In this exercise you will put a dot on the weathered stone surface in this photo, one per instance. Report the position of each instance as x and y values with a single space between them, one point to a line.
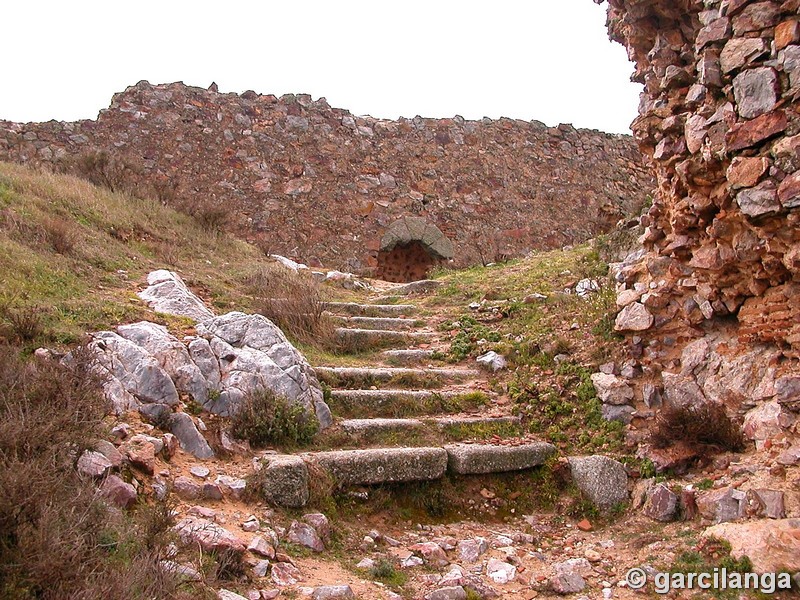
634 317
771 545
745 172
739 51
93 464
284 574
224 594
305 535
500 572
749 133
141 453
453 592
332 592
602 479
492 361
760 200
468 459
756 91
132 368
167 293
258 545
470 551
208 535
191 440
171 354
285 481
254 355
432 554
382 465
789 191
612 389
723 504
118 492
661 504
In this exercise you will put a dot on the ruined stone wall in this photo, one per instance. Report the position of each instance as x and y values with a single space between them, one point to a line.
322 185
719 120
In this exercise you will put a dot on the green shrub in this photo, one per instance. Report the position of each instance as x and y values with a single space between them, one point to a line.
264 419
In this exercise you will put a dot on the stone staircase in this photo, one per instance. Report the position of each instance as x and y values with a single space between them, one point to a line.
407 416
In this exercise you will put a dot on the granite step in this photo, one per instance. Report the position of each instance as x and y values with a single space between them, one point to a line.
408 357
399 403
377 323
370 310
374 426
361 377
366 339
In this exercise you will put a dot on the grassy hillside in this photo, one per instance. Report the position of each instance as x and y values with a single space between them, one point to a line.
73 256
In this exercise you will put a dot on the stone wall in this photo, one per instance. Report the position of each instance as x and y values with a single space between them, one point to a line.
322 185
719 122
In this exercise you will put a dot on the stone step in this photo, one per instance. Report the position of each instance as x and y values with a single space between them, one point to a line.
366 339
374 466
482 459
286 480
377 323
394 403
381 465
379 425
370 310
408 357
405 377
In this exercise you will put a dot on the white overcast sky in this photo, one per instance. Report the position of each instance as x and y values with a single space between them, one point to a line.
524 59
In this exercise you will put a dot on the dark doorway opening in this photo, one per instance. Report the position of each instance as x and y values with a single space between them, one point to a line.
405 262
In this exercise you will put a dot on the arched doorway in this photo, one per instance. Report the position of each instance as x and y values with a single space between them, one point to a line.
410 248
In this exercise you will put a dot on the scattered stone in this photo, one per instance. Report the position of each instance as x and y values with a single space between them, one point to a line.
209 536
602 479
200 471
234 486
470 551
492 360
93 464
500 572
447 593
187 489
661 504
262 547
141 453
331 592
305 535
284 574
432 554
320 524
118 492
224 594
191 440
612 389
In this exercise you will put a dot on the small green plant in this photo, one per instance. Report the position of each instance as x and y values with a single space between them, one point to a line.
263 419
385 572
465 342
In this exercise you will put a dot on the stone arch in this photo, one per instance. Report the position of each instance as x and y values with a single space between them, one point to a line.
410 248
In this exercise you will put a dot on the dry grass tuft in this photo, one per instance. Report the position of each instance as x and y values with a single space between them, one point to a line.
58 538
294 302
705 424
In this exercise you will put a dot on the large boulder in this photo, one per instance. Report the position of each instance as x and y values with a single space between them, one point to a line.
254 355
602 479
